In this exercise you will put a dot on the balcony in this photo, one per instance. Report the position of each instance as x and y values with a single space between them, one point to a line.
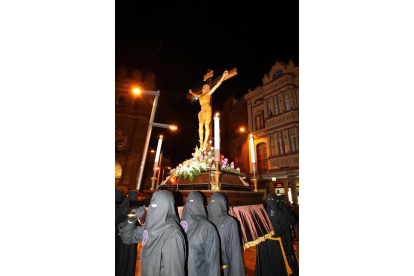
291 160
283 119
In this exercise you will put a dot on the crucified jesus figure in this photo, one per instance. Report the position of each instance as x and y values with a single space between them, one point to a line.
204 116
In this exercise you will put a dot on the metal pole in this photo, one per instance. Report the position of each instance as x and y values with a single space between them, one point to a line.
144 154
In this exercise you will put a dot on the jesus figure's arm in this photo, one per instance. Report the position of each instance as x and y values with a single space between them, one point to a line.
218 83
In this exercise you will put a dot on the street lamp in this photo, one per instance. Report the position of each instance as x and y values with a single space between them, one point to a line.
150 124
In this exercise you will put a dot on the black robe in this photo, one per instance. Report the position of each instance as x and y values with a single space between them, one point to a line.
269 256
202 238
163 244
231 254
125 255
286 235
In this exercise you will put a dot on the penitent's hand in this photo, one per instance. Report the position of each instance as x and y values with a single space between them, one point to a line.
140 211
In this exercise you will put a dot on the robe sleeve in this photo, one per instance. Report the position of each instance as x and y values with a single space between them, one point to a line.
173 255
130 232
212 248
236 264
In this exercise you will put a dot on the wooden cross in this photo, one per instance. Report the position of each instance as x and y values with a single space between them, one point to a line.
209 78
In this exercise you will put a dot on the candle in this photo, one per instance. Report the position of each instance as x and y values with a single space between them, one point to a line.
157 155
216 137
252 155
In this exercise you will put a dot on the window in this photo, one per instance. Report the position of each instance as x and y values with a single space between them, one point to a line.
269 107
292 139
259 120
280 141
291 98
262 156
273 144
287 101
285 141
280 101
120 101
297 134
276 105
277 74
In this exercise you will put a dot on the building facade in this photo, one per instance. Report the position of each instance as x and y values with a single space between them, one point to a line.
273 119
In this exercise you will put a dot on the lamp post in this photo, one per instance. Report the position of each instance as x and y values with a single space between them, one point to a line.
151 123
253 157
157 158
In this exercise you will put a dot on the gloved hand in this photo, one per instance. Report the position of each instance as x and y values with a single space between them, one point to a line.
139 211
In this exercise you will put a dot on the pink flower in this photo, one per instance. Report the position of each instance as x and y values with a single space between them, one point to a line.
201 157
213 167
212 158
205 152
226 160
223 166
232 165
205 156
238 169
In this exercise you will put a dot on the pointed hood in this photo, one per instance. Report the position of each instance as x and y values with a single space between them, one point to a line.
161 216
217 209
193 212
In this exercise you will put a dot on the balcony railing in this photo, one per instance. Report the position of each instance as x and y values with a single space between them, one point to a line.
290 116
291 160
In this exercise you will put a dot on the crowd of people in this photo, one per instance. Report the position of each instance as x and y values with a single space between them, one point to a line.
200 243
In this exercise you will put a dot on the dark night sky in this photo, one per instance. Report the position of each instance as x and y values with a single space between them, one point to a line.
217 36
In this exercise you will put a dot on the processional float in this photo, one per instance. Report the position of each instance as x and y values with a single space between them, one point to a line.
208 172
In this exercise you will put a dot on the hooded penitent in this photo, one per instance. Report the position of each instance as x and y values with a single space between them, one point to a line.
161 216
286 235
125 255
163 243
202 237
231 255
269 259
193 212
132 195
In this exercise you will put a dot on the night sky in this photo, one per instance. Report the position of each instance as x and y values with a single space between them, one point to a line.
179 43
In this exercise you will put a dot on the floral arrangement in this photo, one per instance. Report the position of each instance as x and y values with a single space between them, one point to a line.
203 161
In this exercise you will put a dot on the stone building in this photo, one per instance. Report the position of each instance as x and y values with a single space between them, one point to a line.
273 119
234 143
132 115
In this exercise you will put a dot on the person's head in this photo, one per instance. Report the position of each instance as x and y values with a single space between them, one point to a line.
119 195
132 195
206 88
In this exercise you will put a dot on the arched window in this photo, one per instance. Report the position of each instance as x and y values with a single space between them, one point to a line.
277 74
120 101
261 156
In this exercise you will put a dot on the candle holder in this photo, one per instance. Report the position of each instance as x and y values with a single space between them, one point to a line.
216 184
254 180
153 178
